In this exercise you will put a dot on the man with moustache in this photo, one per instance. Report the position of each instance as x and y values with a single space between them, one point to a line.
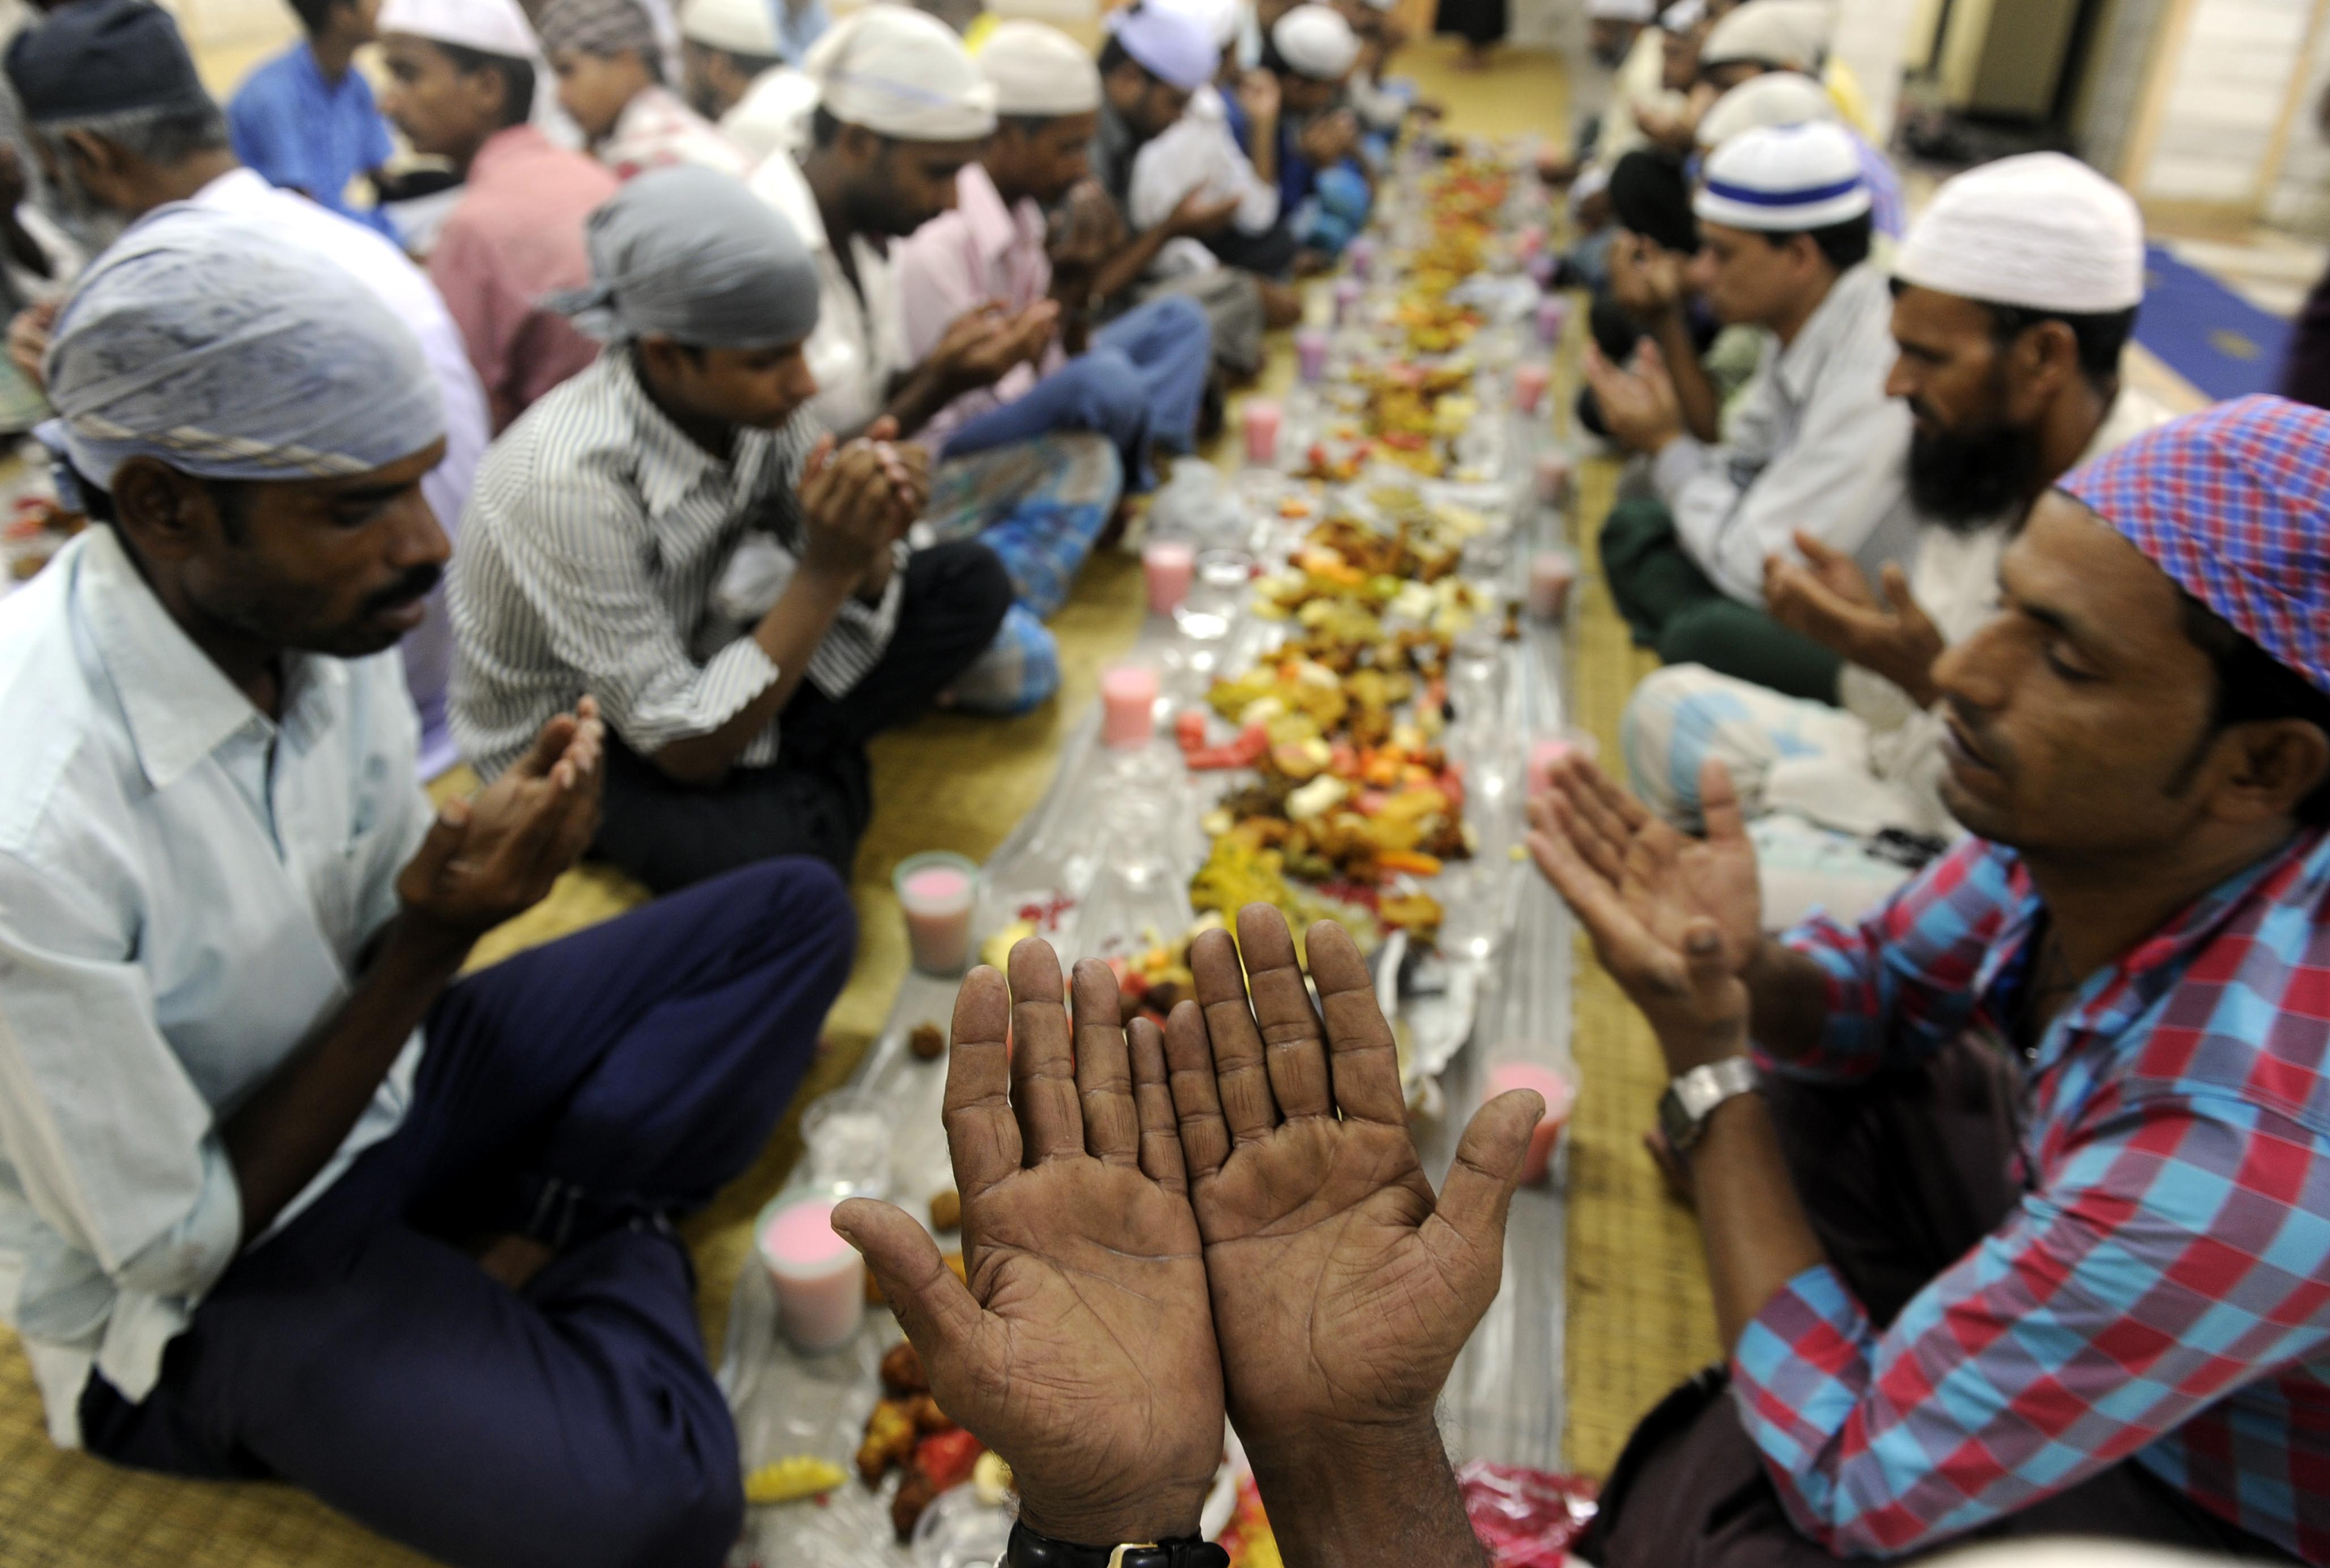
279 1196
119 118
2013 1192
2013 297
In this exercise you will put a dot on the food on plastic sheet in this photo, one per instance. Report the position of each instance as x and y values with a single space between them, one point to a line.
990 1477
916 1492
889 1442
947 1457
1526 1518
927 1041
903 1377
946 1210
1152 981
788 1480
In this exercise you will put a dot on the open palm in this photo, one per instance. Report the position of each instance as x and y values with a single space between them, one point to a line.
1343 1290
1082 1348
1675 920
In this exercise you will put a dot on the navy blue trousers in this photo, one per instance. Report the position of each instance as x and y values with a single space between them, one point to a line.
1140 381
590 1087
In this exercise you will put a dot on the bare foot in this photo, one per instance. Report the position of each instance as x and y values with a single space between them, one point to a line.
1282 303
1680 1185
514 1260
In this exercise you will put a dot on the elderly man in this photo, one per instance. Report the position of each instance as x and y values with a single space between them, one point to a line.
279 1196
1815 447
675 532
124 141
2013 1191
610 67
902 112
1140 379
2014 298
735 71
462 75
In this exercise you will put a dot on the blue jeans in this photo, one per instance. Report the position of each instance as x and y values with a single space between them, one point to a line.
1139 383
579 1092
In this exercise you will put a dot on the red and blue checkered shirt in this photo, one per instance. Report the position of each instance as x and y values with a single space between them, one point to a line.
2163 1291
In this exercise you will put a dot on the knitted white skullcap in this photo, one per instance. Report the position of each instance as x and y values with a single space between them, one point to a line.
1777 179
1792 33
2042 231
1316 40
739 27
1774 98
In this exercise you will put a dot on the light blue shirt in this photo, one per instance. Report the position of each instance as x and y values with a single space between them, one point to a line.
306 134
797 30
186 889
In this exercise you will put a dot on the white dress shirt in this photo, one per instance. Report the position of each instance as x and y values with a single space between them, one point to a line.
592 560
186 889
860 341
390 276
1813 444
1199 152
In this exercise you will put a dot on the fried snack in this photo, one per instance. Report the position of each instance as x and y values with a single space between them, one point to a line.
787 1480
928 1417
902 1373
946 1210
916 1492
928 1041
888 1442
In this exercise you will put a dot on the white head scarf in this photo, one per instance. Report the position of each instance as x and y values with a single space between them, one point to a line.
2042 231
738 26
1783 33
489 26
1316 40
902 73
1774 98
1038 69
201 339
691 254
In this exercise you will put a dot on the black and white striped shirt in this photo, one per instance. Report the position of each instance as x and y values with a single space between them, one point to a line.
588 560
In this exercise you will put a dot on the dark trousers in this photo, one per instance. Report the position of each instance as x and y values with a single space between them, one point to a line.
1900 1177
579 1092
817 797
1672 606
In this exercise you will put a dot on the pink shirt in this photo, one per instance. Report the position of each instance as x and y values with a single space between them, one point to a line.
516 237
961 260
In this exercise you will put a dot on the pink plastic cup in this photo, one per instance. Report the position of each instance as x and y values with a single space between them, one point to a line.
1261 421
1552 318
1311 353
819 1278
1170 566
1128 705
1561 1093
1530 381
1552 573
936 892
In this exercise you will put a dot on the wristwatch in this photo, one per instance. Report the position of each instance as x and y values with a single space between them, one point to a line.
1692 1098
1030 1550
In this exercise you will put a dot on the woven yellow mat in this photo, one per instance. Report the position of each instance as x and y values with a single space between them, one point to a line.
1640 1320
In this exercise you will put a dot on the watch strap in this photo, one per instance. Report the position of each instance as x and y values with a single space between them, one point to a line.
1029 1549
1693 1096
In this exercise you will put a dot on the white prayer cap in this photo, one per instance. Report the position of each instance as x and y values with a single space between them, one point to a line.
738 26
1172 42
1684 15
2042 231
1785 32
487 26
898 71
1038 69
1774 98
1219 18
1622 10
1778 179
1317 41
